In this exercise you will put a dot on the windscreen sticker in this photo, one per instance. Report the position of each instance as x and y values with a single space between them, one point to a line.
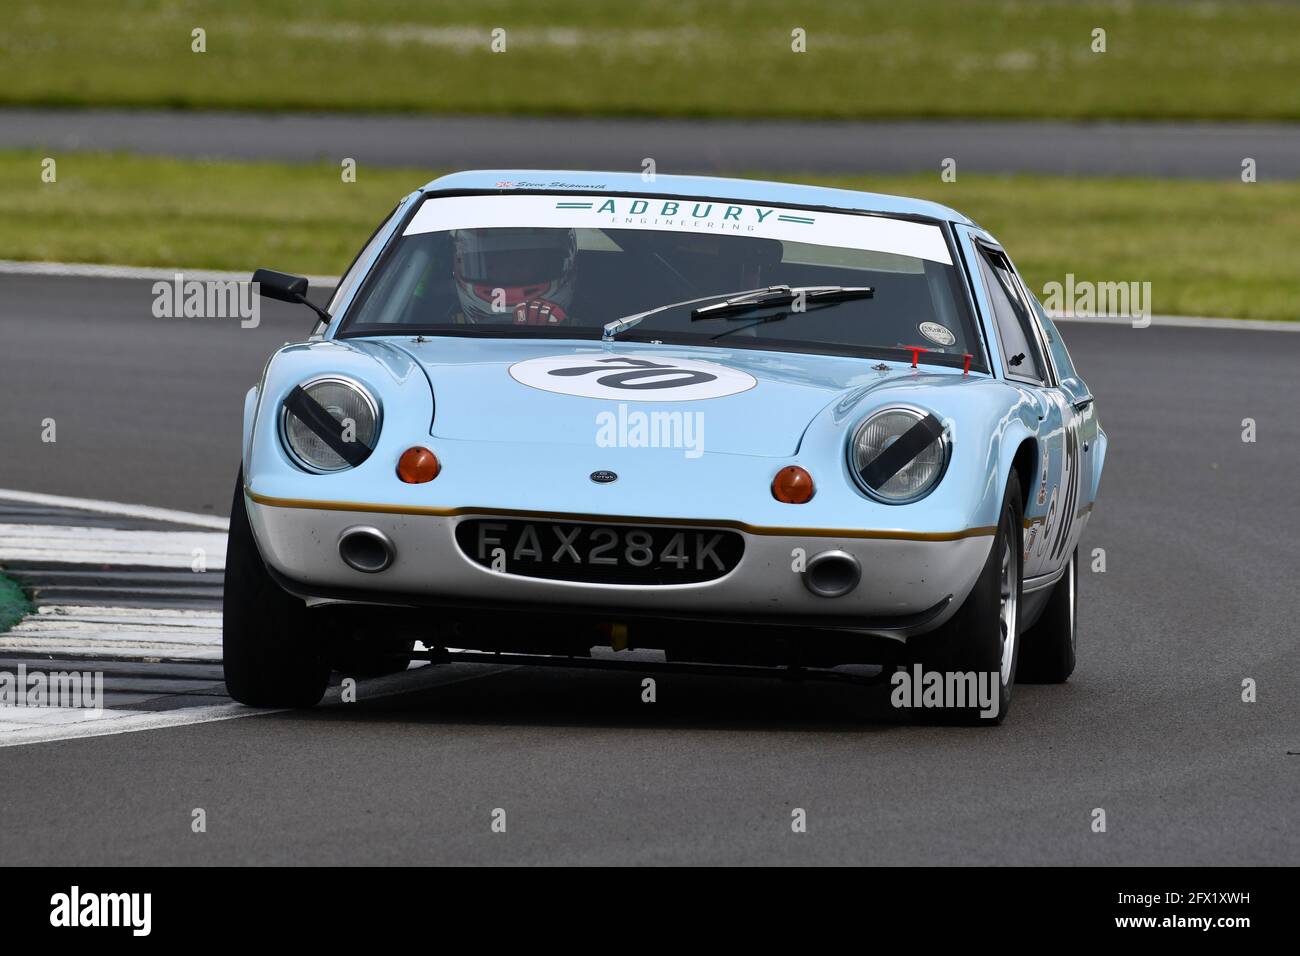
937 333
657 213
629 378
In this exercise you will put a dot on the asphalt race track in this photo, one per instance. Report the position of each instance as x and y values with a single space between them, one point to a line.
1199 531
1209 150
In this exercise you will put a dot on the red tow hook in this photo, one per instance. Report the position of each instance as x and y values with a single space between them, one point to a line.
916 351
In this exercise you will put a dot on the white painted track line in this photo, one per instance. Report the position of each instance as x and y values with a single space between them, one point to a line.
172 617
120 722
1185 322
93 633
115 508
117 633
125 721
66 655
70 637
63 544
89 270
118 559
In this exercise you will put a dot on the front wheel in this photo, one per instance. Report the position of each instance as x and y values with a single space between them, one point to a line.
976 652
271 644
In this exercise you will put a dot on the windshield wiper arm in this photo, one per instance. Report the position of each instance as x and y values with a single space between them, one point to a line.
746 303
739 303
611 329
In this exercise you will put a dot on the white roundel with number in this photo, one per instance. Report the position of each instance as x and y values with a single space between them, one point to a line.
632 378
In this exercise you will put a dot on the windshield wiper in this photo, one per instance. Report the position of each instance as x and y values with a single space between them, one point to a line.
611 329
746 303
741 303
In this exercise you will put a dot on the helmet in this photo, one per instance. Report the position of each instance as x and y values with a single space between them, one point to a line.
514 275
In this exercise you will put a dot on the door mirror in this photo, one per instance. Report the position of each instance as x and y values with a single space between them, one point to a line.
281 285
286 288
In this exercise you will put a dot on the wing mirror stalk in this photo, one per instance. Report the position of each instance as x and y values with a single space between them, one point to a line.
284 287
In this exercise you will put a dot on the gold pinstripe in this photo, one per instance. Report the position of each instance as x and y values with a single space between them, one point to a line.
269 502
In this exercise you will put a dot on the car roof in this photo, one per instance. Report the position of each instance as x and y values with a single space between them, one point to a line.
704 187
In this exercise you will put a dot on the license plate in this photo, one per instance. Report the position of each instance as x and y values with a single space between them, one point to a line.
607 554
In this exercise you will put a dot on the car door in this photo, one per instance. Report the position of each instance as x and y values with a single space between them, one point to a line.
1077 393
1079 416
1027 362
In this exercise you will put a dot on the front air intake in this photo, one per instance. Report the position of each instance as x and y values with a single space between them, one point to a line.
365 549
832 574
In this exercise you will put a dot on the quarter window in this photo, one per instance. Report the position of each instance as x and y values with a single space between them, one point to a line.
1020 353
1060 355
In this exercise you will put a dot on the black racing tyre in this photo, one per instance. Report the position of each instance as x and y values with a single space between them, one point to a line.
1047 649
981 638
271 644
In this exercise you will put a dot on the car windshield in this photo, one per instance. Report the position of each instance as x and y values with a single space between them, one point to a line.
564 266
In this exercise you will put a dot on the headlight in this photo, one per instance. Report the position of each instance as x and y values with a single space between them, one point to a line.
899 454
329 424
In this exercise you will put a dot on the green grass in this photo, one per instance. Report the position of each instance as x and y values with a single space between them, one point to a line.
1220 59
1216 248
13 604
135 210
1206 247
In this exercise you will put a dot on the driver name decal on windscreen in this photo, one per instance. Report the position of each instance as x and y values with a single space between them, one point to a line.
873 233
630 378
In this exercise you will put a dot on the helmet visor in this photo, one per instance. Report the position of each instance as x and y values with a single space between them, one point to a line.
512 257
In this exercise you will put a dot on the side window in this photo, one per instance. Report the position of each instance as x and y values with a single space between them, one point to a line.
354 271
1064 365
1020 351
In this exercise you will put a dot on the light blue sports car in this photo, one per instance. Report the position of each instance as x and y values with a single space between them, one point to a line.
741 423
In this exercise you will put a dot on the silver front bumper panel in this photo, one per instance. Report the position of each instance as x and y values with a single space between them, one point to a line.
909 584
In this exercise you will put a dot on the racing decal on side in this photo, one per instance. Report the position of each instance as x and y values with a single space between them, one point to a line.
1031 535
1049 522
1070 481
631 379
1042 481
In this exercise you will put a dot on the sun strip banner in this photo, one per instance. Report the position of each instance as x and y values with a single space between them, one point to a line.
576 211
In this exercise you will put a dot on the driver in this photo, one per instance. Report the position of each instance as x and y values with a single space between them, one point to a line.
517 275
